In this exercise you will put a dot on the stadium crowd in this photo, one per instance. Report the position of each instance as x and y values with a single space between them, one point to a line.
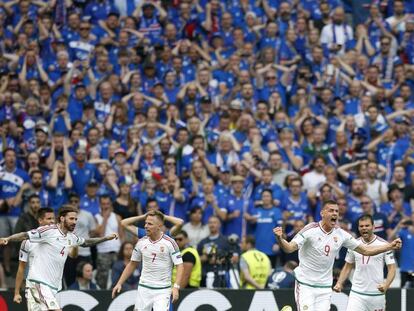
230 117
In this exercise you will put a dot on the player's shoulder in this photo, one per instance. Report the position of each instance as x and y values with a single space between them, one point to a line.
379 241
142 241
169 241
49 229
309 227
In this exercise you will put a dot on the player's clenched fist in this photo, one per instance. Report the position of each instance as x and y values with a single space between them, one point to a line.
396 244
278 231
4 241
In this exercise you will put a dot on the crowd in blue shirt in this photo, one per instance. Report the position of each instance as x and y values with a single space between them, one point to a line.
255 111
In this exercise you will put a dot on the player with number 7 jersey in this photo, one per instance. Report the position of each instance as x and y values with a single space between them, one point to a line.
158 254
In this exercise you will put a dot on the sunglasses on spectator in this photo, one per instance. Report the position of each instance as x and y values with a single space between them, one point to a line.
170 163
271 78
365 202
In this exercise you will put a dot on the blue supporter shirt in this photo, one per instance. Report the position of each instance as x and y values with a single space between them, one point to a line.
10 184
235 225
90 204
354 208
407 250
300 209
267 219
81 176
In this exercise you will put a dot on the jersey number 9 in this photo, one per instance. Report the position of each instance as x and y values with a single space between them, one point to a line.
327 250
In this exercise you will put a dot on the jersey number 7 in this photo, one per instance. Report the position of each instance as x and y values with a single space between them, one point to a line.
154 255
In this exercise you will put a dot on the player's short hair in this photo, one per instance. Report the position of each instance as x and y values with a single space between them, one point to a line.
43 211
366 217
65 209
156 214
329 202
250 239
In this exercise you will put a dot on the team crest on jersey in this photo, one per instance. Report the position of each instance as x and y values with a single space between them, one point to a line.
162 249
335 239
69 242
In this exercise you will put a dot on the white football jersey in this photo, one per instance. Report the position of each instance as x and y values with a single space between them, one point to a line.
50 254
369 270
317 252
158 258
26 251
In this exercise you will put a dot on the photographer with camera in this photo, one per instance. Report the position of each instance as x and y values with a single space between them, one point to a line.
219 256
405 231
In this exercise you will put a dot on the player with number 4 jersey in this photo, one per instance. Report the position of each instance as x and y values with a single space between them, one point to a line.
49 256
368 284
318 245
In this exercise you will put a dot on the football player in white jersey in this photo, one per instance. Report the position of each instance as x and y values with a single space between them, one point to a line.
46 268
158 253
368 285
318 245
45 217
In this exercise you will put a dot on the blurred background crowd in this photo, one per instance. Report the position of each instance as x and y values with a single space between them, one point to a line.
231 117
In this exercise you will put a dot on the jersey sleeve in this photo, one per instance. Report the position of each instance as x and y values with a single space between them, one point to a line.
350 256
300 239
76 240
389 258
175 253
41 234
24 251
136 253
349 241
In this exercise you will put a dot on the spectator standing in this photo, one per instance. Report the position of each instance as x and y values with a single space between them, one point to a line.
107 252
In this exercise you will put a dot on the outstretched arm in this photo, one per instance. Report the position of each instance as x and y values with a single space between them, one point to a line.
18 237
288 247
371 250
94 241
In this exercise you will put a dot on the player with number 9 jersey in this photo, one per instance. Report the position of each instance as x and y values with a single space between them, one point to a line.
317 252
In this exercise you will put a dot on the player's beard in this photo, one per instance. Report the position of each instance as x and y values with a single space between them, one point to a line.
69 227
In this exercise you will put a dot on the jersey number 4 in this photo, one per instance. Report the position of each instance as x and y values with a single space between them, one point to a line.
62 252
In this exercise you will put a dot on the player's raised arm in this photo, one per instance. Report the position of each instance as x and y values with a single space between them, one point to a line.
94 241
18 237
288 247
372 250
